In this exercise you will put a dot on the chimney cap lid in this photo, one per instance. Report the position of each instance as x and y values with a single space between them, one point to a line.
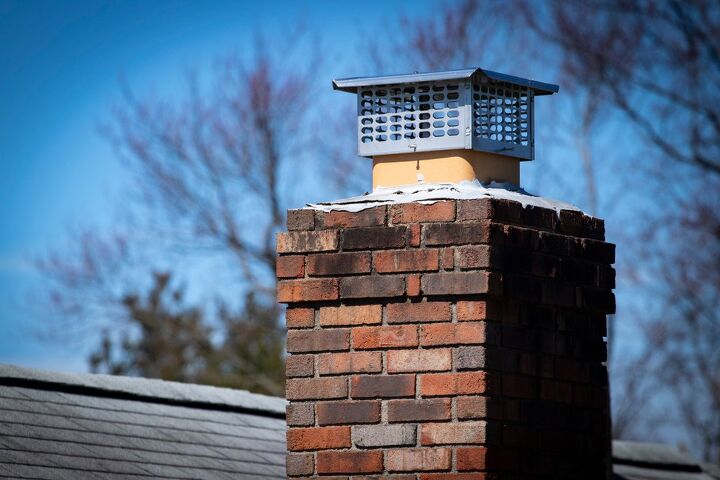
352 84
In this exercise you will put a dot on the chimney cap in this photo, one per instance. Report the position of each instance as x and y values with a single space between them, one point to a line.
352 84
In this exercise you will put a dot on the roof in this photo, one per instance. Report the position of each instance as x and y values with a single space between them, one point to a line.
352 84
651 461
68 426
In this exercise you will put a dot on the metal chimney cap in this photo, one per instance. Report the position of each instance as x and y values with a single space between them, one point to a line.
352 84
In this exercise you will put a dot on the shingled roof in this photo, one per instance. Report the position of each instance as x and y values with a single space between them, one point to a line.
64 426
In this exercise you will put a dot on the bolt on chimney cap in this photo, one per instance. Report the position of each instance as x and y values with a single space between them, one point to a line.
353 83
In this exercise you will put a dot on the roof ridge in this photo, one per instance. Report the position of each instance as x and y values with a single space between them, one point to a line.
145 389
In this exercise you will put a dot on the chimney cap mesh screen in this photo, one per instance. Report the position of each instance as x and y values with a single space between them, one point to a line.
460 109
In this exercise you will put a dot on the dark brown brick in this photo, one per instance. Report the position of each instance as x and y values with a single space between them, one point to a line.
470 358
372 287
370 217
462 233
474 210
371 238
302 219
465 283
292 291
417 212
299 341
299 366
338 263
297 464
375 386
300 414
348 412
419 410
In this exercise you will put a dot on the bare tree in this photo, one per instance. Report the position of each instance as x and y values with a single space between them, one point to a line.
214 172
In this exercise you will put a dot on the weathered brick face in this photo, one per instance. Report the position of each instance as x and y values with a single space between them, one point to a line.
456 340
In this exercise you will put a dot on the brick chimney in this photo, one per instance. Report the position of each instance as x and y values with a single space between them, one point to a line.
462 339
446 328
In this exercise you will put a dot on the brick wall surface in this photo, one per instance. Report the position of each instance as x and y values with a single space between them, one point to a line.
457 340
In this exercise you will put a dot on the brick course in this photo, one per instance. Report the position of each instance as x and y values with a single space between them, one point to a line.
457 340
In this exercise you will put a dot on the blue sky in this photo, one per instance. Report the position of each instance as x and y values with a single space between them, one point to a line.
60 64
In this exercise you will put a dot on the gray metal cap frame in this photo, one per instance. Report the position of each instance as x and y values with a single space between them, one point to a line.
460 109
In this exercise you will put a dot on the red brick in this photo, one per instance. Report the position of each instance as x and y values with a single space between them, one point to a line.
443 384
299 366
348 412
350 462
418 410
379 386
300 414
418 312
299 341
447 258
460 283
300 317
316 388
479 407
414 235
350 315
372 287
301 242
299 464
433 360
351 362
412 285
479 310
291 291
302 219
372 238
364 338
338 263
417 212
462 233
452 334
422 260
452 433
370 217
418 459
318 438
481 458
290 266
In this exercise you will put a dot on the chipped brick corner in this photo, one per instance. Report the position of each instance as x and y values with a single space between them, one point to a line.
456 340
